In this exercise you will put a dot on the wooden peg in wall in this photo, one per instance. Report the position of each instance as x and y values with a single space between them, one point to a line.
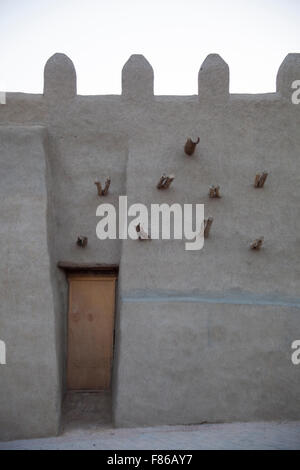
103 192
260 179
190 146
165 181
207 226
82 241
141 233
257 243
99 188
214 192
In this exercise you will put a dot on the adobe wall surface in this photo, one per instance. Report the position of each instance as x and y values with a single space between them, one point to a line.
193 361
30 384
201 335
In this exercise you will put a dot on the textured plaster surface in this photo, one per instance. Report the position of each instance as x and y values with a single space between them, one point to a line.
170 301
29 383
206 362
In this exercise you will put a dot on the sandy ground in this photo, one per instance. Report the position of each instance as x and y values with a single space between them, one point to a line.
206 436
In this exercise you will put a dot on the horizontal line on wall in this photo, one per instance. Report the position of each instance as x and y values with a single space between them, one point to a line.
211 300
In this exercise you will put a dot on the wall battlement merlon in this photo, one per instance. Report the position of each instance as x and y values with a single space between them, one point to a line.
60 82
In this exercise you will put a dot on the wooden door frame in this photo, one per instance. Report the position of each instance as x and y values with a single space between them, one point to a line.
70 268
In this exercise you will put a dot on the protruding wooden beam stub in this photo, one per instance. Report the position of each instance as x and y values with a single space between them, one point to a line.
103 192
190 146
165 181
106 187
82 241
207 226
161 182
141 233
260 179
257 243
99 188
214 192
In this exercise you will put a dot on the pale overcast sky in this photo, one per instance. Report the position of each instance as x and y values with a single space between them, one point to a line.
252 36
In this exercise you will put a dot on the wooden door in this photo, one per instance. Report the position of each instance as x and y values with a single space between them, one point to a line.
90 331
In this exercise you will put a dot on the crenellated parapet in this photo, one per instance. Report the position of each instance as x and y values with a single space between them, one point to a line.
138 79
